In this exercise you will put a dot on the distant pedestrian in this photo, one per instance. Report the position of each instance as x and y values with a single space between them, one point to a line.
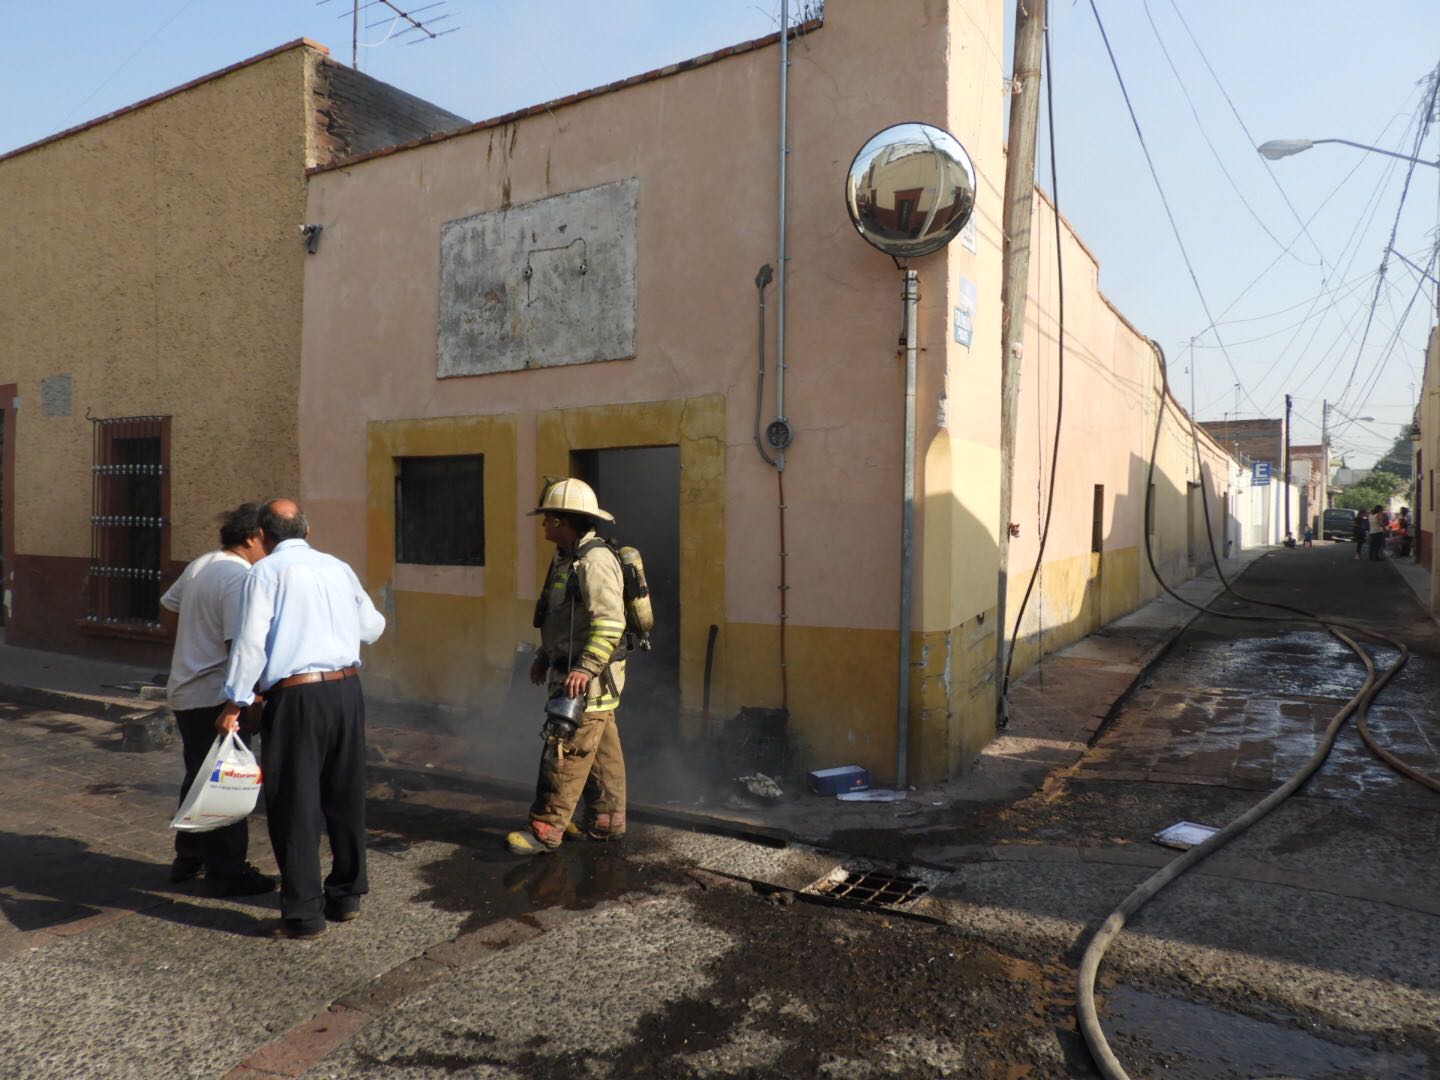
206 598
1309 537
1379 530
1406 531
1361 531
305 617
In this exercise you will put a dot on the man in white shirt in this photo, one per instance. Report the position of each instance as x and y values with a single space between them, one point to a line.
207 598
304 618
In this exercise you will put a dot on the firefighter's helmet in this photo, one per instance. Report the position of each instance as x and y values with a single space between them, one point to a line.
570 496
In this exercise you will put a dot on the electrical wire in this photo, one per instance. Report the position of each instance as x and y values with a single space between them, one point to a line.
1060 376
1285 249
1370 206
1109 930
1424 126
1089 1022
126 62
1165 202
1304 225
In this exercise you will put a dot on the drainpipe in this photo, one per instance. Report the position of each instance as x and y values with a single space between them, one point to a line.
909 300
780 437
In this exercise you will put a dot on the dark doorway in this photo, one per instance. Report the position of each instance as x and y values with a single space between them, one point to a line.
641 487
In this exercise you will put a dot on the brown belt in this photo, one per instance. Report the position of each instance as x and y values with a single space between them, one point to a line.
316 676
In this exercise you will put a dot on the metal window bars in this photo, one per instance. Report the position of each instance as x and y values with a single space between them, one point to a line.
127 521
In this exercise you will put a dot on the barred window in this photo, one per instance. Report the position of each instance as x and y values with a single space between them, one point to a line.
440 510
128 519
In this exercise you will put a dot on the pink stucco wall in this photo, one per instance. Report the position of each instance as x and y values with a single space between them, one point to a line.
702 145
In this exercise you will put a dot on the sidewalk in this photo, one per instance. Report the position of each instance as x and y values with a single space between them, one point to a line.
1417 578
1056 709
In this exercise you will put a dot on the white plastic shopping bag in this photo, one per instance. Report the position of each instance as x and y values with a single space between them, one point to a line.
225 788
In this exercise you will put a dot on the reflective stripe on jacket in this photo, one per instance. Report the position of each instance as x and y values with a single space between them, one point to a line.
583 640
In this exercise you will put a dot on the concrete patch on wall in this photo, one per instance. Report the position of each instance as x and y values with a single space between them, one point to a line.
540 285
55 395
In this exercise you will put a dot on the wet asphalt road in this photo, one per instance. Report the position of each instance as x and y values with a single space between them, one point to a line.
1305 949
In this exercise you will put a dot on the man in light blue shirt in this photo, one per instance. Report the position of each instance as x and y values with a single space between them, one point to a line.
303 620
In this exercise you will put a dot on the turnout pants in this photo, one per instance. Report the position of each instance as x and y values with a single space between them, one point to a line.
589 764
313 757
222 851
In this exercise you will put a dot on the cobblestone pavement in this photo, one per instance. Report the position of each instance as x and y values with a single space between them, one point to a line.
1302 949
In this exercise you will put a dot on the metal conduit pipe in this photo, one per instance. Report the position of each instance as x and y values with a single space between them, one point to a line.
782 155
910 302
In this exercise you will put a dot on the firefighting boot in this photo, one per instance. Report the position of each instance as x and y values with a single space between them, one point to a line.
535 840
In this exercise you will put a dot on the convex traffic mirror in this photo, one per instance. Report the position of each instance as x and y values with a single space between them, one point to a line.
910 190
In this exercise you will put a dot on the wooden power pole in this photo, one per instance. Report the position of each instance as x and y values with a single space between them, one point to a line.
1287 466
1019 202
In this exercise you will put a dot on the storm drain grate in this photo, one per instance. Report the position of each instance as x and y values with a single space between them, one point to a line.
874 888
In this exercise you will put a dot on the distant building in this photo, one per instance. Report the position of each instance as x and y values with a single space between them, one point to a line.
1258 440
610 331
150 327
1309 477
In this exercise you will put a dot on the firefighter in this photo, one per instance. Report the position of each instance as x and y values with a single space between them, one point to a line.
581 617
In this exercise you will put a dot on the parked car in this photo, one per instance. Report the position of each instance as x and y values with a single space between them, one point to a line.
1337 524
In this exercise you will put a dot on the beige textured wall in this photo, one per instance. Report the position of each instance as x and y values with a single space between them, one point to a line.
155 259
702 144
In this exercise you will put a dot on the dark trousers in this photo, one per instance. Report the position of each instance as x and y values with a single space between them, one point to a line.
221 850
1377 543
314 763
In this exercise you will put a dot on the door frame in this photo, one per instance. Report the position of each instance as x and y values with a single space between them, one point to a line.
697 426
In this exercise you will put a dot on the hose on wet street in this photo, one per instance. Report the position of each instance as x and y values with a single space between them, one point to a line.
1356 706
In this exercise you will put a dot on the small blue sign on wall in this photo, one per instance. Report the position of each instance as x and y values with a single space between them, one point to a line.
1260 473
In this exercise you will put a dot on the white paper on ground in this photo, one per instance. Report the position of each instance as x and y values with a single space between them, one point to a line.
871 795
1184 835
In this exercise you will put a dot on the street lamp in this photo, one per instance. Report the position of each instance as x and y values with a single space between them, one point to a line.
1325 410
1276 149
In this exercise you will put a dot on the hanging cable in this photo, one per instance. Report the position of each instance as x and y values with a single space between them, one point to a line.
1424 126
1060 376
1165 203
1089 1020
1359 703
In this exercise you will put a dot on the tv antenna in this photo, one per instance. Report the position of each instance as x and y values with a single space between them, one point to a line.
398 22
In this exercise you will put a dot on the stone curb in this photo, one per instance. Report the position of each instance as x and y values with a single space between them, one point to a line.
98 706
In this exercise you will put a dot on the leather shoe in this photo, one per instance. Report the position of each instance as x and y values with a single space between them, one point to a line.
249 882
339 914
185 870
279 929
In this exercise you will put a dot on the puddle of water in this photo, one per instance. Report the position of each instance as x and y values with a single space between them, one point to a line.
488 886
1218 1045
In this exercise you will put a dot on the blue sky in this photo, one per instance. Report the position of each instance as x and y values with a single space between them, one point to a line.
1290 315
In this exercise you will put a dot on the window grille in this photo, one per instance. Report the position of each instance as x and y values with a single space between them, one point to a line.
129 524
440 510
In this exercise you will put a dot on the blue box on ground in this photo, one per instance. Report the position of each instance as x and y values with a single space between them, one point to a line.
839 779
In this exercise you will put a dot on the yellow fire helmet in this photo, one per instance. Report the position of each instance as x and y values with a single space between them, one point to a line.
572 496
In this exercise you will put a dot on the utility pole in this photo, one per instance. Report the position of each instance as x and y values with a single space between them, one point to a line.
1324 460
1019 201
1288 534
